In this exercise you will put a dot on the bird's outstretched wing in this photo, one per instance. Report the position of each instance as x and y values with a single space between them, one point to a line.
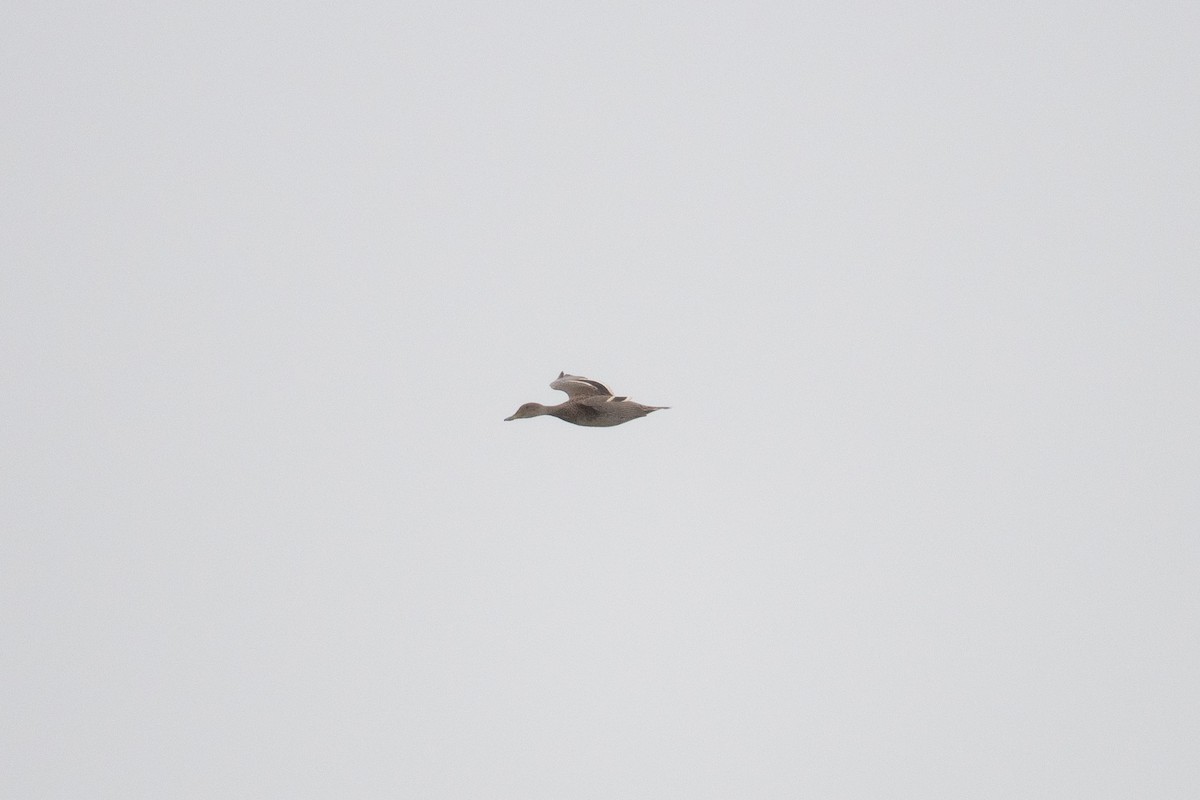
578 388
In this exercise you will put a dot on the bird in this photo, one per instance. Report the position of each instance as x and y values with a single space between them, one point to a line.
589 403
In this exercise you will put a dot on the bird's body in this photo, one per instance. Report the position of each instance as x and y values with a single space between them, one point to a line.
589 403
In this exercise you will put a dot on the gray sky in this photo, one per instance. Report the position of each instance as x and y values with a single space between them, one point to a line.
920 285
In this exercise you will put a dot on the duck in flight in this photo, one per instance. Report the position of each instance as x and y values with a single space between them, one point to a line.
588 403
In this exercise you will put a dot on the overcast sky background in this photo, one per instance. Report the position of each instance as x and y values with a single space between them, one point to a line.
921 285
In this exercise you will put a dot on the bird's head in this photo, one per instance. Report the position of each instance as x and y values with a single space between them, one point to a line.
528 410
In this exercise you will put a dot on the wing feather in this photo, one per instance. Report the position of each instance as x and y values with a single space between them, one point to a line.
578 387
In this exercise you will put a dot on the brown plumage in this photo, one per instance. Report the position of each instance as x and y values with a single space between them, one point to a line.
589 403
